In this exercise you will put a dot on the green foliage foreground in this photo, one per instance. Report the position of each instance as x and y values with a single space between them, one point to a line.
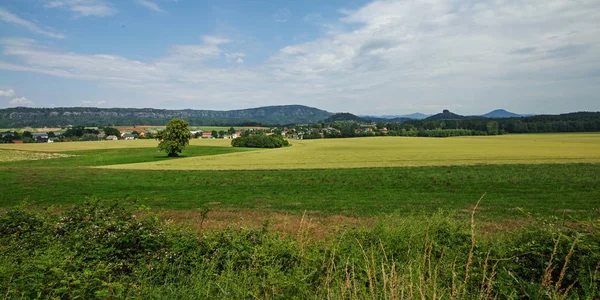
105 250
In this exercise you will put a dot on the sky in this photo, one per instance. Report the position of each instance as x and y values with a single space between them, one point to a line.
383 57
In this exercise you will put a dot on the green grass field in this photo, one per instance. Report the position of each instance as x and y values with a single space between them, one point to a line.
522 174
368 218
399 152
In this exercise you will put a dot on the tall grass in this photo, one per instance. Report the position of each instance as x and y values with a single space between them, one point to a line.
103 250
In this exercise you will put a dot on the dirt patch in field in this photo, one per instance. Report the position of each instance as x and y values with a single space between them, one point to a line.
309 224
508 225
469 209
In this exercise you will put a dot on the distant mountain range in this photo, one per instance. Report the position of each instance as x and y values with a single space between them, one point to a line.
494 114
268 115
91 116
415 116
498 113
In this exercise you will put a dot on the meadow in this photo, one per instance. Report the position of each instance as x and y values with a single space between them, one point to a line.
400 152
554 174
343 219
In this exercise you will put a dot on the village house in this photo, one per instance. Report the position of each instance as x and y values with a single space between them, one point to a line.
40 137
206 134
112 138
128 136
5 134
236 134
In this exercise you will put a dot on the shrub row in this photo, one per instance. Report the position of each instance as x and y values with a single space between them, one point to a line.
104 250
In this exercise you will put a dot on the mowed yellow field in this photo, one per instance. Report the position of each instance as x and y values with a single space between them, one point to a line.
16 155
398 151
73 146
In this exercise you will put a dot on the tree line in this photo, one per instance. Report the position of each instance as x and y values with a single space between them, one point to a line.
573 122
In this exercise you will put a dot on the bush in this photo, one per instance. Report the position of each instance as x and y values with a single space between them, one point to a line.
107 250
260 141
93 249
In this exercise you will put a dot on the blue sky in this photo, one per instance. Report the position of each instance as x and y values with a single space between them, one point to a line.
366 57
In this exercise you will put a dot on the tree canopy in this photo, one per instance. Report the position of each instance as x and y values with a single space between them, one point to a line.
111 131
174 138
260 141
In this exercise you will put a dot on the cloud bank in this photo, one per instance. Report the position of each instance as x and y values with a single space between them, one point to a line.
385 57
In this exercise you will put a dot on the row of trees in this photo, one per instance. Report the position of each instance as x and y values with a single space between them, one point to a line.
351 129
10 137
575 122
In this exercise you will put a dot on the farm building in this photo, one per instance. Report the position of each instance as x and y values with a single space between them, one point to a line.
112 138
206 134
129 136
40 137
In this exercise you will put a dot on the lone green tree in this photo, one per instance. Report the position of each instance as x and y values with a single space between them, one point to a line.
174 138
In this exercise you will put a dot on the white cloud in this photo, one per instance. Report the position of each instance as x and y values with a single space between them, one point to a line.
446 51
20 101
215 40
7 93
385 57
235 57
84 8
93 103
150 5
8 17
185 63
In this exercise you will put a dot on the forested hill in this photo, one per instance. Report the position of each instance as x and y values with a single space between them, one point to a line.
91 116
345 117
571 122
